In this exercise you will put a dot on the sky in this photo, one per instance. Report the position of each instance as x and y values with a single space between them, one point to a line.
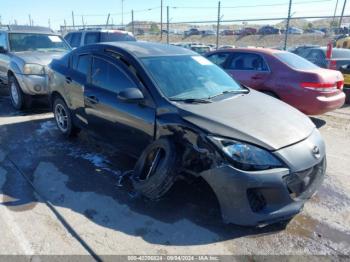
95 12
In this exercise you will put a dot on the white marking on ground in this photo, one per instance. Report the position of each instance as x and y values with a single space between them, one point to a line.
23 119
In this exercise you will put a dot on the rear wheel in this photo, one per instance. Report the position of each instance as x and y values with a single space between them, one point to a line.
63 118
19 100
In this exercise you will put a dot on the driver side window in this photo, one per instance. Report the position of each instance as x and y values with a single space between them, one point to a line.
3 42
109 77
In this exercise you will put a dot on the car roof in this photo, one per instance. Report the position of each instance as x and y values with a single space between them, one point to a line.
27 29
149 49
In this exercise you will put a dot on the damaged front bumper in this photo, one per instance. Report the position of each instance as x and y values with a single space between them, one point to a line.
253 198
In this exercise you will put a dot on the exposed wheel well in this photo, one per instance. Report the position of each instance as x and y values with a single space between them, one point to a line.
53 96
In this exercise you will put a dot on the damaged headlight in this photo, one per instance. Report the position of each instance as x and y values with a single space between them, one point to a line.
33 69
245 156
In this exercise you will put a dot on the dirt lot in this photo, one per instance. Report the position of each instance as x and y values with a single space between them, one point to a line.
61 196
252 40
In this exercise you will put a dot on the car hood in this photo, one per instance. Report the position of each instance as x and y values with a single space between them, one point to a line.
255 118
41 58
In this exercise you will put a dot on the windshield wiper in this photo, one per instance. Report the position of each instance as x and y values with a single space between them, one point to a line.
241 91
191 100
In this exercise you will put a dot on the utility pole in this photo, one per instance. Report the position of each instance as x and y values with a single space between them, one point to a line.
167 24
30 20
65 25
342 14
82 21
49 22
335 12
132 22
218 26
73 20
107 20
287 25
122 12
161 19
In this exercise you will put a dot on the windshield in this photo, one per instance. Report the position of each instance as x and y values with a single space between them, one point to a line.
114 37
295 61
20 42
189 77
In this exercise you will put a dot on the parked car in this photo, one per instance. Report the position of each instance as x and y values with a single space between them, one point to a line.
208 32
248 31
315 32
88 36
295 31
226 46
200 49
318 56
345 70
226 32
192 31
286 76
269 30
299 50
25 53
343 42
178 113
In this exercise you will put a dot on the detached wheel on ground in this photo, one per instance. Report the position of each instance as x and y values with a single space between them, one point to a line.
63 118
18 98
155 170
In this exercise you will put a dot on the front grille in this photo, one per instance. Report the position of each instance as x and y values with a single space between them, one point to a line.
303 184
256 200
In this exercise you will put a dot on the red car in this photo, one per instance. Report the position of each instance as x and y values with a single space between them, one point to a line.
284 75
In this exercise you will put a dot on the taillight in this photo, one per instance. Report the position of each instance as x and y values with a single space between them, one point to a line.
340 85
332 64
324 87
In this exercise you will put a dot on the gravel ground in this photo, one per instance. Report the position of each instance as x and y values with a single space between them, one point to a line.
60 196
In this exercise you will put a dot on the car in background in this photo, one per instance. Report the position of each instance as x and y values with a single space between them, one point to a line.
227 32
269 30
227 46
192 31
284 75
200 49
183 117
25 52
314 32
208 32
343 42
248 31
92 36
345 70
318 56
295 31
301 49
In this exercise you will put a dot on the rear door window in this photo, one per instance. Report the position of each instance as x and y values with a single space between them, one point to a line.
295 61
247 62
75 40
219 58
83 64
91 38
107 76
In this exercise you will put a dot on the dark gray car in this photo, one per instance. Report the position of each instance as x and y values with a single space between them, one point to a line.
182 116
25 53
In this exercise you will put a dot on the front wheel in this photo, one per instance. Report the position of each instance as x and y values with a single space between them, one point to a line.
19 100
63 118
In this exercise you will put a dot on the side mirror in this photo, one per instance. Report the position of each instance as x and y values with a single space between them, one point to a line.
131 95
3 50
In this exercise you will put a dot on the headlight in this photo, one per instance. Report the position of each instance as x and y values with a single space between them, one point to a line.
245 156
33 69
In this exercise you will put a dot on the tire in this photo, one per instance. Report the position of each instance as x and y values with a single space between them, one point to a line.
154 183
19 100
63 118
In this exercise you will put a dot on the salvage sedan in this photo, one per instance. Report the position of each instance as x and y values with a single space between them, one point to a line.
183 116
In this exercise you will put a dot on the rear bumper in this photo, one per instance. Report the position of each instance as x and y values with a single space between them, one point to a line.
265 197
316 103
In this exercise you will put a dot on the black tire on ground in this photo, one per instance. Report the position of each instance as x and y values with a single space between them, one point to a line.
155 171
63 118
19 100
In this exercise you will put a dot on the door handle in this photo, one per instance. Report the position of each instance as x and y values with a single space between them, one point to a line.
68 80
93 99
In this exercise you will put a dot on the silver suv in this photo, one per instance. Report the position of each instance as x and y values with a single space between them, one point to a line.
92 36
25 53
